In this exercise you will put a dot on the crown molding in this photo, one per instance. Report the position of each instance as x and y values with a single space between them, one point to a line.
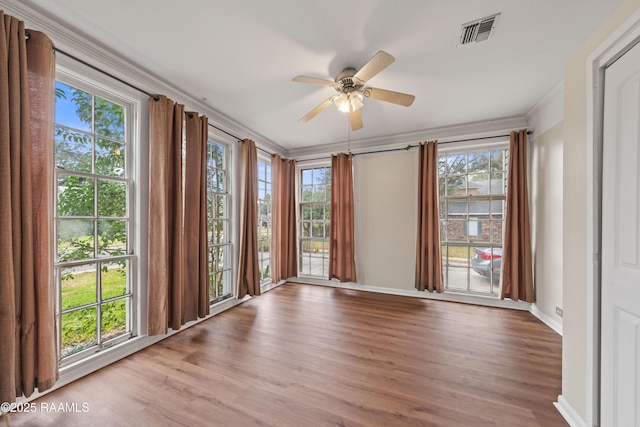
442 134
547 112
108 61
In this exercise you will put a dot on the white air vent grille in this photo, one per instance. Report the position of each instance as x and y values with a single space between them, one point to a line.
477 31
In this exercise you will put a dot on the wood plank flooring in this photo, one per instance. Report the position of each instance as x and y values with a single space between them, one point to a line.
302 355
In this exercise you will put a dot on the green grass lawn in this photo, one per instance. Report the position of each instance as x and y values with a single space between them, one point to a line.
457 252
79 328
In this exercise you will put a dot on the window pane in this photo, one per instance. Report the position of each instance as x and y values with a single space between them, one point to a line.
109 119
320 193
479 207
78 285
319 176
79 331
306 229
306 212
73 150
73 107
315 214
75 239
75 196
456 186
114 319
91 137
307 193
498 184
221 210
222 184
456 277
478 163
456 164
113 279
317 229
110 158
479 185
112 198
472 219
442 165
496 231
497 208
307 177
498 160
112 237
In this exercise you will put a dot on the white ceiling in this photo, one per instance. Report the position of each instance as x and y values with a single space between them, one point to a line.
242 54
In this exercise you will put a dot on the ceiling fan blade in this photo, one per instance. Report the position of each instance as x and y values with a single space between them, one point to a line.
379 62
313 81
311 114
389 96
355 118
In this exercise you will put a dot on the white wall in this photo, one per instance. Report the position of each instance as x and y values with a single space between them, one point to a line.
546 204
385 192
546 221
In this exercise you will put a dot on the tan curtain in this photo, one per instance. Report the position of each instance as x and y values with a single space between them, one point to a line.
517 276
248 273
28 350
166 255
284 252
196 297
342 264
428 257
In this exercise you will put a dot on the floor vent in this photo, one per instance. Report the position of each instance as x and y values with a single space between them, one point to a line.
478 31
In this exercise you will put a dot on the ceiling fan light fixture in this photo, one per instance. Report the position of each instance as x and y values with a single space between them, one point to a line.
348 102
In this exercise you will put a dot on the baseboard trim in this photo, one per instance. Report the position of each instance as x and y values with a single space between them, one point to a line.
449 296
556 326
569 414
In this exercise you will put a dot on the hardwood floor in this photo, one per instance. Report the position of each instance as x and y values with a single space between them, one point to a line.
302 355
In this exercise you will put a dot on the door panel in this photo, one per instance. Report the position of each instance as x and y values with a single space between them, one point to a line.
620 283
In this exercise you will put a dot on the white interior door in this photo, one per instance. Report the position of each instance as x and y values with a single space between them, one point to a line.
620 282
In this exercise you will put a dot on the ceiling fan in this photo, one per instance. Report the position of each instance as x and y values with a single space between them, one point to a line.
350 85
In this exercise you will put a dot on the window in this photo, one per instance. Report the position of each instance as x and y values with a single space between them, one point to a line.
472 204
314 221
264 219
218 222
94 250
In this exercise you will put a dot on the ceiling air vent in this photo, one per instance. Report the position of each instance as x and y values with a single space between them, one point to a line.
477 31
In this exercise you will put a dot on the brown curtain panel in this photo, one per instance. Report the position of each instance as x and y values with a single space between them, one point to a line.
196 296
428 256
28 350
166 254
284 254
248 273
517 276
342 264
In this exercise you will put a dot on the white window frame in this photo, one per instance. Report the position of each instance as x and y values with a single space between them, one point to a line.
226 220
263 259
308 238
470 244
131 256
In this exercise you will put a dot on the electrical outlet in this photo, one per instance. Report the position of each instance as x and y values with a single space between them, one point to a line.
559 311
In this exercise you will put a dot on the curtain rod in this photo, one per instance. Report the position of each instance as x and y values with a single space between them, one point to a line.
75 58
155 97
410 146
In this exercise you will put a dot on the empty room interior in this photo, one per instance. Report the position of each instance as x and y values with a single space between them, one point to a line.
292 213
